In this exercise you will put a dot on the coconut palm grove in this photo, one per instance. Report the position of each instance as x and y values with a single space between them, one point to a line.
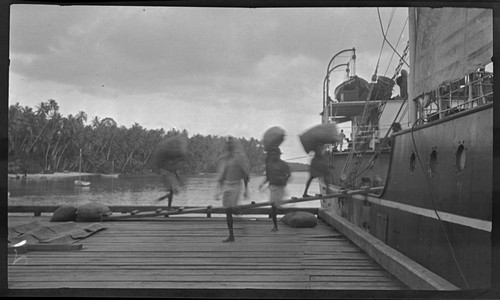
41 140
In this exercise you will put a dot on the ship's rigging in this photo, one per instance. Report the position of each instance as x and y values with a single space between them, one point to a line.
365 131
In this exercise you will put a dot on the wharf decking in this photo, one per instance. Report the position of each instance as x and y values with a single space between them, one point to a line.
187 253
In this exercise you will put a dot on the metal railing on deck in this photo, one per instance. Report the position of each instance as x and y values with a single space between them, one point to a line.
474 90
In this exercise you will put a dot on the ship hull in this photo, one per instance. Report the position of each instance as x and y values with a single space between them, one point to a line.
377 171
437 194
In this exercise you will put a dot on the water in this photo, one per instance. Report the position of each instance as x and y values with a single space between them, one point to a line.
198 191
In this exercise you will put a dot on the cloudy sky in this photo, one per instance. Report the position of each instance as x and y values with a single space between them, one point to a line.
219 71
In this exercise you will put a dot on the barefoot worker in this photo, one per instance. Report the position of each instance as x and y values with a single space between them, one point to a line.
318 169
171 180
277 174
166 161
314 139
234 174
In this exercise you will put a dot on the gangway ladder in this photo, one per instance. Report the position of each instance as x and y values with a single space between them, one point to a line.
365 137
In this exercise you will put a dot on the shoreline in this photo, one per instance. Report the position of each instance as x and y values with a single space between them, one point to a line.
53 175
77 174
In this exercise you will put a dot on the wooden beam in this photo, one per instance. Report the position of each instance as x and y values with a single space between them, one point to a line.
38 209
238 208
129 209
54 247
44 247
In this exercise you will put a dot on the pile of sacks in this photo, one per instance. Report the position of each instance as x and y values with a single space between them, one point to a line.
89 212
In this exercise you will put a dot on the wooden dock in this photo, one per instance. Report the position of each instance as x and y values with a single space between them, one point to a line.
187 254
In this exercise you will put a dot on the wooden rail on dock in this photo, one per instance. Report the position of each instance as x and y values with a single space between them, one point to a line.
37 210
240 208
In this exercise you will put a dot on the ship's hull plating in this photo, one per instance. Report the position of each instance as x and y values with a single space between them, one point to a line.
439 179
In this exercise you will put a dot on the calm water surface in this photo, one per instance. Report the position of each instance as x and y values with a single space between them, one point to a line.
198 191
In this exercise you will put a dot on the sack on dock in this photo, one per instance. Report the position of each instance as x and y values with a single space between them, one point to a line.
319 135
273 137
64 213
91 212
300 219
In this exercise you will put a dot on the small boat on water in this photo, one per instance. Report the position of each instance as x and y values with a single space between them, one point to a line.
81 182
111 174
436 168
114 175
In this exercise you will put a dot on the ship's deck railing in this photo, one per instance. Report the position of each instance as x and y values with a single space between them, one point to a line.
366 134
469 92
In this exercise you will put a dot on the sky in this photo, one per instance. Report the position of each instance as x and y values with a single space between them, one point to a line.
211 71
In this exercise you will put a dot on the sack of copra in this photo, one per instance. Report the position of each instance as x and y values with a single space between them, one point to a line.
273 137
319 135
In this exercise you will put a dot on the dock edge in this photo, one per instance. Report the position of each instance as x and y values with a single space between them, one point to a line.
412 274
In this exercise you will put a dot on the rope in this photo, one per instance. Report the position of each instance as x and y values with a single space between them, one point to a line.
385 38
293 158
397 43
383 42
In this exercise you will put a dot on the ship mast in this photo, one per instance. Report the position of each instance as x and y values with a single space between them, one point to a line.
412 105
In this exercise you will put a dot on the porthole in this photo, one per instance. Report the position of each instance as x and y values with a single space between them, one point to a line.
412 162
460 158
433 162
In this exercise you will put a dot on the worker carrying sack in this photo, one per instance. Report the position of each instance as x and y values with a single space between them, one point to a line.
277 171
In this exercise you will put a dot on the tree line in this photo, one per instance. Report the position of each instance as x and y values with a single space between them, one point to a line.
41 140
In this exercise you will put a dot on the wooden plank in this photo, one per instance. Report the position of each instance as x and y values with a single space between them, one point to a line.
325 258
54 247
215 246
164 272
62 278
277 238
128 268
211 264
357 285
162 285
212 285
336 279
352 273
169 254
185 270
310 259
184 261
239 269
205 266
